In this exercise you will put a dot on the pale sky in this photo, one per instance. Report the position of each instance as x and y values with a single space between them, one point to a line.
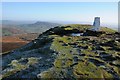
61 11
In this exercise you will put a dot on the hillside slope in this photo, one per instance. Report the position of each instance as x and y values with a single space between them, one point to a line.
38 27
10 28
8 31
58 54
16 41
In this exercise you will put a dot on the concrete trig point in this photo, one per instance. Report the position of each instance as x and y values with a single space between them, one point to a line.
96 24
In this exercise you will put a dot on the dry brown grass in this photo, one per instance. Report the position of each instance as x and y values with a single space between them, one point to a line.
16 41
8 46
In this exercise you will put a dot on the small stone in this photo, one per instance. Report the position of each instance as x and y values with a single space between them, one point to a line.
75 59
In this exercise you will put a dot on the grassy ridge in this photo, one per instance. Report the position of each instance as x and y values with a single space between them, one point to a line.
72 56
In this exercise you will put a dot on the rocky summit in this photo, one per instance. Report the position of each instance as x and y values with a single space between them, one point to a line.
57 54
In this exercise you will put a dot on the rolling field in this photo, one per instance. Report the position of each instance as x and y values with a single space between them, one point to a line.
16 41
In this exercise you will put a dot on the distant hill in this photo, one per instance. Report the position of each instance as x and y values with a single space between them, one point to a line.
8 31
12 22
38 27
29 27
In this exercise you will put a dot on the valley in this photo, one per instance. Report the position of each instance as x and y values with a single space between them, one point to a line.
18 34
16 41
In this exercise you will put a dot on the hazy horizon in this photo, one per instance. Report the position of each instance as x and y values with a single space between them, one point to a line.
109 25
